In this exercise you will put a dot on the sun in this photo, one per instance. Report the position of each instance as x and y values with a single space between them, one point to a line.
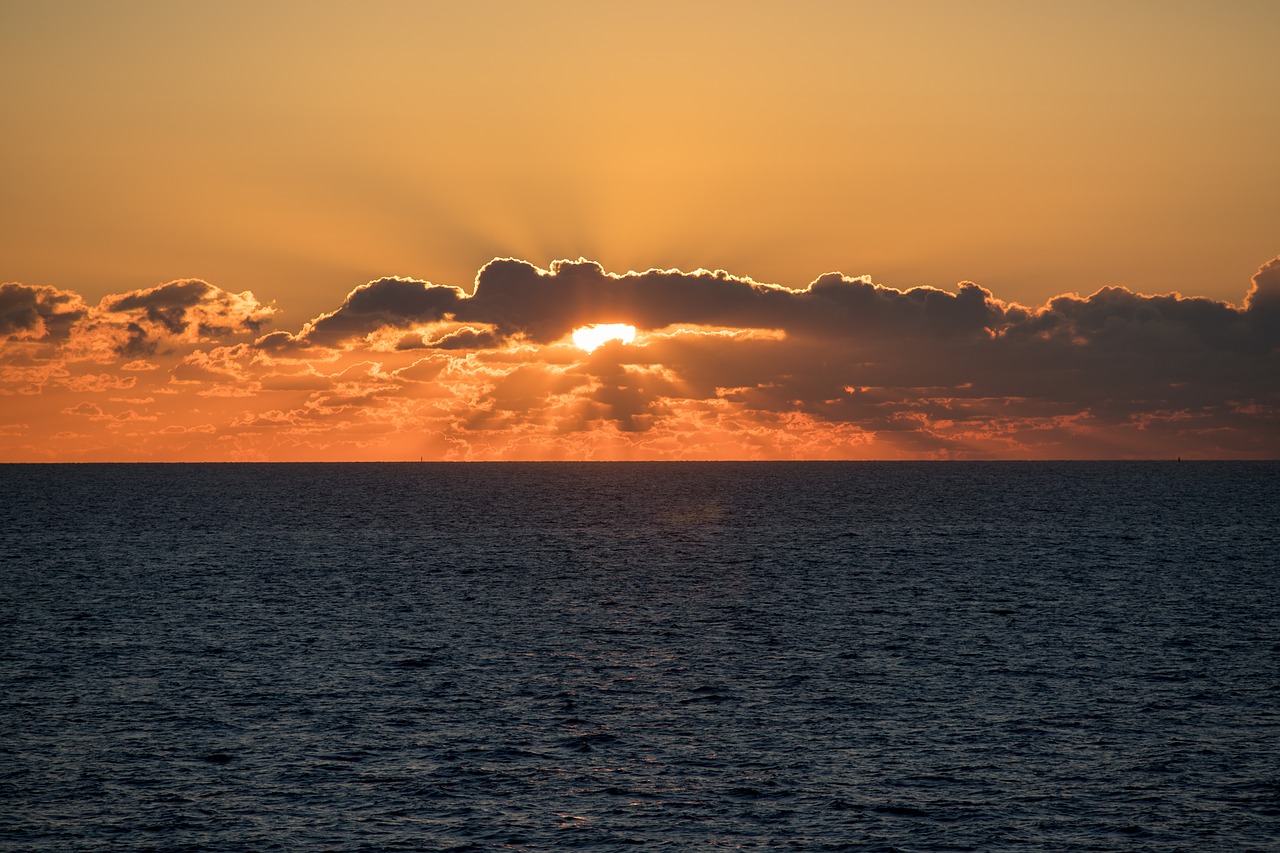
590 337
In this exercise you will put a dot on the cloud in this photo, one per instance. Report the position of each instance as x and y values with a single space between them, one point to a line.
96 382
1262 304
464 338
187 310
514 298
387 302
50 336
517 298
88 410
38 313
722 367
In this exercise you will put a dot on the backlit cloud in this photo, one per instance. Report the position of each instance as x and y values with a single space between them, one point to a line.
38 313
189 311
721 367
517 298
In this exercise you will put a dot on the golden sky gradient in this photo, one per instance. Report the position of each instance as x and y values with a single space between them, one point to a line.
294 151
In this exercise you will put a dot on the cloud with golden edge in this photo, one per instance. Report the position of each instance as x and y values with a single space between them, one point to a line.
699 365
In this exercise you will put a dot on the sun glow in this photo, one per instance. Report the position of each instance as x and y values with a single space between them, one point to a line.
590 337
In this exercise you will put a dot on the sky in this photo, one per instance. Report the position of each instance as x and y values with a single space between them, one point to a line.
311 231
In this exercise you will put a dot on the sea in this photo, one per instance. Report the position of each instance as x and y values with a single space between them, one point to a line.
814 656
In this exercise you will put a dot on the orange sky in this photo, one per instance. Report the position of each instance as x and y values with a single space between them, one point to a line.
282 155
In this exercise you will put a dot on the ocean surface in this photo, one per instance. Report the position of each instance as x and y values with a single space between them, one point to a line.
808 656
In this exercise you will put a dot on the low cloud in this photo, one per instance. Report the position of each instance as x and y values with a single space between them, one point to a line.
55 329
385 303
517 299
38 313
723 366
188 311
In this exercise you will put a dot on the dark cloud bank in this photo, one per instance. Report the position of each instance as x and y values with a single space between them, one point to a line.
517 298
883 358
843 350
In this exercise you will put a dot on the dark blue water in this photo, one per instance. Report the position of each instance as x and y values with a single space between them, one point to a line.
947 656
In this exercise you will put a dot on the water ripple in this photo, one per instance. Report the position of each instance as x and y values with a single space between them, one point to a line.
810 657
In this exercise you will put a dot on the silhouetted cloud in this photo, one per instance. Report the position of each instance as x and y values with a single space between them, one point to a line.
387 302
1263 305
517 298
37 313
723 366
187 308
